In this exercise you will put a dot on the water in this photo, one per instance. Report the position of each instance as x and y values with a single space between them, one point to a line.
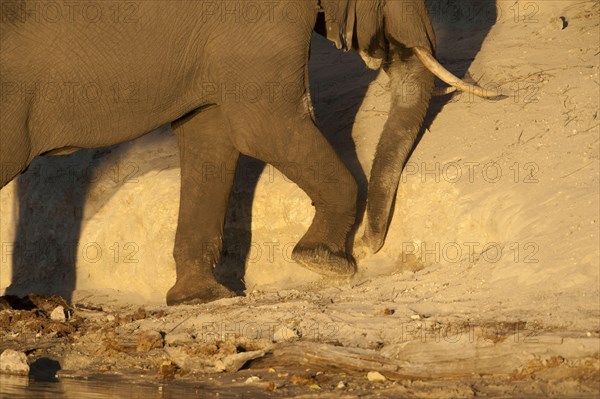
15 387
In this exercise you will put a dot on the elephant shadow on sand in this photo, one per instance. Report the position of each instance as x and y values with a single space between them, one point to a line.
51 199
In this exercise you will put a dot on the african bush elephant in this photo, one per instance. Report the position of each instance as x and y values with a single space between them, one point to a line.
232 79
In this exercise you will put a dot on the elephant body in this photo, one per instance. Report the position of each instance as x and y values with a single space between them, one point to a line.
86 85
232 78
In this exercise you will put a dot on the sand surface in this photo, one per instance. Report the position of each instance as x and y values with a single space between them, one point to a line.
488 282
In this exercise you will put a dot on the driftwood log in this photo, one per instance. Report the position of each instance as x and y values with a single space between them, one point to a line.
513 355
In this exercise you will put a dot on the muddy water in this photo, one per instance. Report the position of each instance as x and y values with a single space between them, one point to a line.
15 387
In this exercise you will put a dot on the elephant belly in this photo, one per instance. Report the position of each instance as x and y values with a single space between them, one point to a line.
88 85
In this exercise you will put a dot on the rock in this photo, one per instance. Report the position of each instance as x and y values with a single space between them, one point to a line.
167 370
178 339
252 380
139 314
148 340
235 362
283 334
110 318
376 376
302 379
75 361
47 303
103 368
14 362
188 362
341 385
271 386
58 314
558 23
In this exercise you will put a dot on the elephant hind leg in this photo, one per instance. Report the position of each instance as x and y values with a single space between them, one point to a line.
208 163
297 148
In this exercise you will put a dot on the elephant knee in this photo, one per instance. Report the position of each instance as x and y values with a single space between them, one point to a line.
347 194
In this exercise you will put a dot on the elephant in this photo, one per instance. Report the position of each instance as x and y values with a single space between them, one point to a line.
232 78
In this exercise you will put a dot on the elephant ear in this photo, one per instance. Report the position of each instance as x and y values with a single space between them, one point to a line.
340 17
407 23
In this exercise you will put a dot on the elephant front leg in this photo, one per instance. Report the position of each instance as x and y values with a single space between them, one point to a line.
208 162
411 86
318 170
294 145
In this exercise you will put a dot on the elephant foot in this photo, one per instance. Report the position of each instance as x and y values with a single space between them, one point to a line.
195 290
361 250
374 239
322 260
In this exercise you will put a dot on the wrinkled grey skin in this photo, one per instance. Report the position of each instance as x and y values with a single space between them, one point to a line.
231 82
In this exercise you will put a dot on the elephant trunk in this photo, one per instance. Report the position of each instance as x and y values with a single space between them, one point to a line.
411 74
411 86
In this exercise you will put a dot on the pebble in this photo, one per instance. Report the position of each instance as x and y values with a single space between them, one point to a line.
559 23
14 362
58 314
341 385
252 380
376 376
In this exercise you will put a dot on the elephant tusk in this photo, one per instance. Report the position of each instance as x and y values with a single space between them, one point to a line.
438 70
442 91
